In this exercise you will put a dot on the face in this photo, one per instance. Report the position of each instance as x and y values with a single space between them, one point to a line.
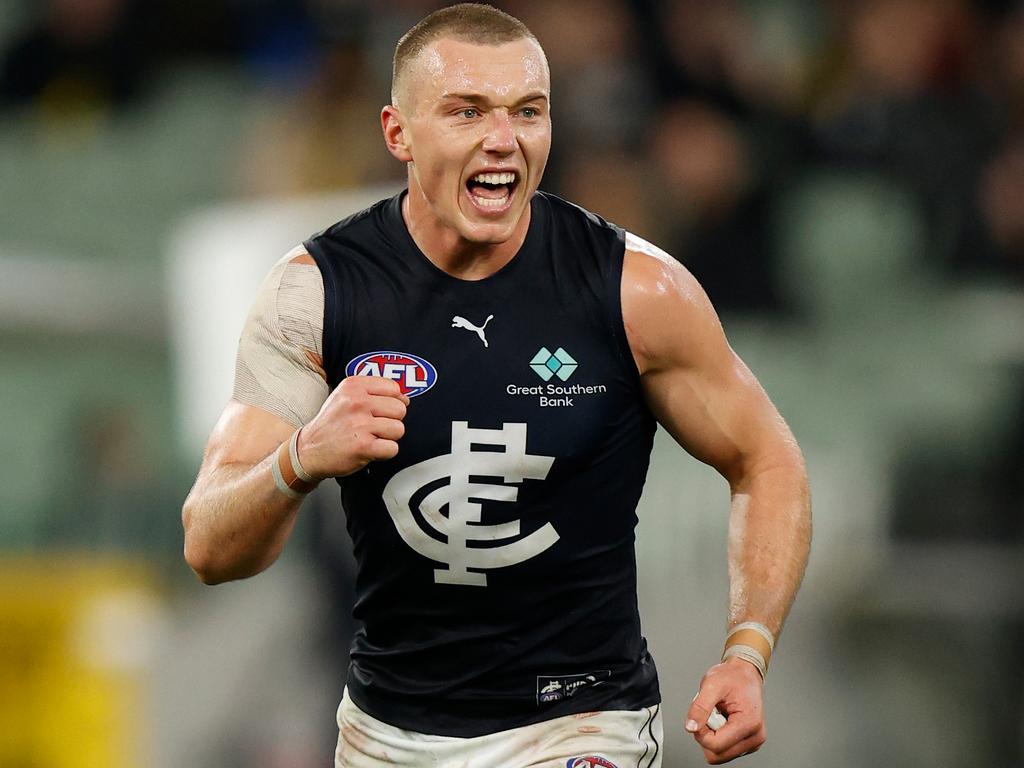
473 124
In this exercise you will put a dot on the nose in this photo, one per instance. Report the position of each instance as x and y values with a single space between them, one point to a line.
501 136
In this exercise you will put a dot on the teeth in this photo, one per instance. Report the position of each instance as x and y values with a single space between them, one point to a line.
486 202
495 178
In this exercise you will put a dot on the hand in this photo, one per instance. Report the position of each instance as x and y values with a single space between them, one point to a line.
360 422
735 687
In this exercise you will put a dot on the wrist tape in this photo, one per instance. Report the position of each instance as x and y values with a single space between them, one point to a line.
289 476
752 642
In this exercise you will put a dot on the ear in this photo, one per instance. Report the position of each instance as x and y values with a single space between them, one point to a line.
392 123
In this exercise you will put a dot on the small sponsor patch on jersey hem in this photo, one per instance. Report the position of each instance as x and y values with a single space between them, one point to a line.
552 688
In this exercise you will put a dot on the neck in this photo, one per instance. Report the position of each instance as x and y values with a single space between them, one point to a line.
452 253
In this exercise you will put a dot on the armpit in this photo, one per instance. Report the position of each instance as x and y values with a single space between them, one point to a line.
279 367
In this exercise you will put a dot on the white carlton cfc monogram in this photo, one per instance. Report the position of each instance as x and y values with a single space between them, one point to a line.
463 524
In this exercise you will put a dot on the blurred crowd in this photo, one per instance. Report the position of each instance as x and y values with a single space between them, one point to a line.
684 120
836 173
696 123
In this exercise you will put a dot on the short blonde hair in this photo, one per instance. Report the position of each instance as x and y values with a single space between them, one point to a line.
470 22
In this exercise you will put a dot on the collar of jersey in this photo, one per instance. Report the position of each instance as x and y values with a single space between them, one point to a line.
425 267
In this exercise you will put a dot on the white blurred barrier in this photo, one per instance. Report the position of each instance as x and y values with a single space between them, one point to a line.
216 260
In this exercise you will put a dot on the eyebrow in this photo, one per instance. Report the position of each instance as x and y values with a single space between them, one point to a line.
479 98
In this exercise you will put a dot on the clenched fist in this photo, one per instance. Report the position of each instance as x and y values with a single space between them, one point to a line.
735 688
360 422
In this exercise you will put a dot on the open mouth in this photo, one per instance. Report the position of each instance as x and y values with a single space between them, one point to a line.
492 190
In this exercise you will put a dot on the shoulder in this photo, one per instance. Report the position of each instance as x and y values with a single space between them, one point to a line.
296 262
648 271
666 312
652 276
292 292
295 269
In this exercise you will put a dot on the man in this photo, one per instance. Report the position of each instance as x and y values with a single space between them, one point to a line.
480 366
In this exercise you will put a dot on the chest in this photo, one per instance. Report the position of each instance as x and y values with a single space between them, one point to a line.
531 355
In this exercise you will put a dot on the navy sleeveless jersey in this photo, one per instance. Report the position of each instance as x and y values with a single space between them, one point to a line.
496 577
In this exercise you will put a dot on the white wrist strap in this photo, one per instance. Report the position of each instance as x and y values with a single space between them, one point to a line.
758 627
282 486
290 477
293 454
747 653
751 641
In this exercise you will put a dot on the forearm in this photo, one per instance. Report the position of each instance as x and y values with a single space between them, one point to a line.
236 521
769 542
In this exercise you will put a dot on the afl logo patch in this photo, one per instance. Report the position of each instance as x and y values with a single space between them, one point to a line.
413 374
589 761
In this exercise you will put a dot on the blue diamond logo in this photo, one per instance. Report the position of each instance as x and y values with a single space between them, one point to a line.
547 364
540 363
566 365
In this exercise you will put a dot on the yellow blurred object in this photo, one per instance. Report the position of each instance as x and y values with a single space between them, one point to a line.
78 637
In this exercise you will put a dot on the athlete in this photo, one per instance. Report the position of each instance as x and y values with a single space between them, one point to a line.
481 367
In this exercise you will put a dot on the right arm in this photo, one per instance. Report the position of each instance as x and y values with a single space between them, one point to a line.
236 520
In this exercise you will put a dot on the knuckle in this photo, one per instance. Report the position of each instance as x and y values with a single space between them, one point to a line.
363 444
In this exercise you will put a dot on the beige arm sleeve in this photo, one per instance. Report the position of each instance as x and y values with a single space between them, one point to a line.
279 367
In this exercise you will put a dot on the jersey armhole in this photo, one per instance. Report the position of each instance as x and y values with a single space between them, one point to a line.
616 321
334 326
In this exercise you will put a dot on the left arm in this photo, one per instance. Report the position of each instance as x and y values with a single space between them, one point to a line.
710 402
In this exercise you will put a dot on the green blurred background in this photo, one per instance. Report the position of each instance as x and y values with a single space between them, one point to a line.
845 177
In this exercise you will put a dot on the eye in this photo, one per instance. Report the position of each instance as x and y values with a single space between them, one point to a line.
469 113
529 112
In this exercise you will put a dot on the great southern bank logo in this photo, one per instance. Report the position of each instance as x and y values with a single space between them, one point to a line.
558 363
554 365
413 374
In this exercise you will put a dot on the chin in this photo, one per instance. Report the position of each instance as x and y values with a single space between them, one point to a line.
489 234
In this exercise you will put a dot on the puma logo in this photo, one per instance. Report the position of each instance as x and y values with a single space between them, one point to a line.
461 322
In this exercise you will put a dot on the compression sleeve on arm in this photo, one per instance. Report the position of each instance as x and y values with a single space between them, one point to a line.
279 367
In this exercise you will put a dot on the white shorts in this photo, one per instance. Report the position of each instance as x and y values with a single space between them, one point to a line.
617 739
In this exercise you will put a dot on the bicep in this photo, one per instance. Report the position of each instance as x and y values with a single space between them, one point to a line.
697 387
718 412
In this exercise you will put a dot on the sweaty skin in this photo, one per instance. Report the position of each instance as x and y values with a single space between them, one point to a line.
470 108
